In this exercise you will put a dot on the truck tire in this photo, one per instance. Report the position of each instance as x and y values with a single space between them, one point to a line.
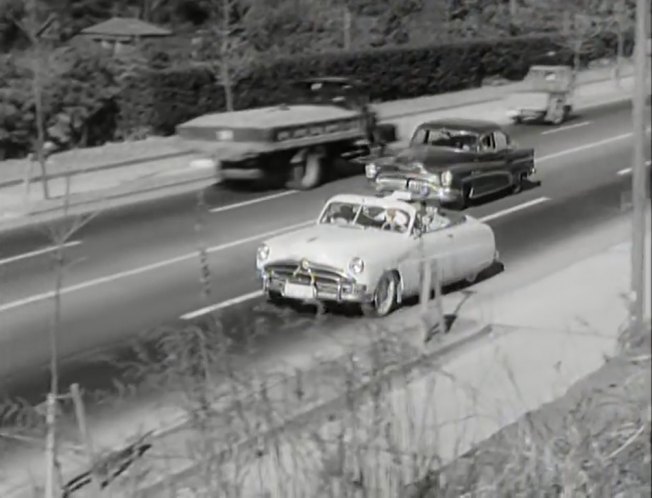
308 172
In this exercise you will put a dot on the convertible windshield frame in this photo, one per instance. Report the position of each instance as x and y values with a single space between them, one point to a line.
357 214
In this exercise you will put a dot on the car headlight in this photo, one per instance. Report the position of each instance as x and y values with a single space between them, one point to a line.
434 179
371 170
446 178
262 253
356 266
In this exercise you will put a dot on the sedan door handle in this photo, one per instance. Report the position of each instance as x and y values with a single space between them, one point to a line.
450 235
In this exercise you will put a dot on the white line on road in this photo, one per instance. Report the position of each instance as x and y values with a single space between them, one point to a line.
514 209
257 200
568 127
627 171
179 259
581 148
221 305
38 252
143 269
253 295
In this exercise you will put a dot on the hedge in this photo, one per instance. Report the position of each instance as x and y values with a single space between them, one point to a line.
157 100
153 100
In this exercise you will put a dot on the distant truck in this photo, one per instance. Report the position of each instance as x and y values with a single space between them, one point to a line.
547 96
297 144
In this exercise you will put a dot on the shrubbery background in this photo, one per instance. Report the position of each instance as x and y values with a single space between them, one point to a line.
91 98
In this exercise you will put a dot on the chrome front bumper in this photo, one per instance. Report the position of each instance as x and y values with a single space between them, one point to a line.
438 192
344 291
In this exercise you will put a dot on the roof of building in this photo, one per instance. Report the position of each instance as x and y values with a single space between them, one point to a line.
120 26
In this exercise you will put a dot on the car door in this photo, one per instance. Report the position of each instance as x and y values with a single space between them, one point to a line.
437 243
492 173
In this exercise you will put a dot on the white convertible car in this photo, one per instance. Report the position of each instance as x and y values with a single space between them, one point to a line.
368 250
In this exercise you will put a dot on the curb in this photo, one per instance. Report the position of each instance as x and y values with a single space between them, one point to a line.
172 155
89 206
100 167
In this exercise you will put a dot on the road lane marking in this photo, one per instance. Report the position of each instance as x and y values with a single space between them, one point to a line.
179 259
250 202
38 252
259 293
591 145
627 171
568 127
223 304
143 269
514 209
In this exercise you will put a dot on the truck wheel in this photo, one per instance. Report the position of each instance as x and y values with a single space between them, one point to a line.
557 114
308 173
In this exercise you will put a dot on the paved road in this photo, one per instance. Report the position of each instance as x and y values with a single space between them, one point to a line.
135 269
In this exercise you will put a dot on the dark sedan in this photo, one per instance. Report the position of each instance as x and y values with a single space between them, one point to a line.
457 159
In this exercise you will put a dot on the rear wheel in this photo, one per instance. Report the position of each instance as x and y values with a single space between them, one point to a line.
385 297
557 114
308 172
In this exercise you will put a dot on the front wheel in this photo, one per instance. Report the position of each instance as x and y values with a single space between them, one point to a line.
308 172
462 202
519 180
385 297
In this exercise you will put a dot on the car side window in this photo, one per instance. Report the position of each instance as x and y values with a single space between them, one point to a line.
486 142
500 140
420 136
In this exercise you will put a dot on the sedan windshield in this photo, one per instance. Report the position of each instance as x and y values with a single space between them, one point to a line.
442 137
366 217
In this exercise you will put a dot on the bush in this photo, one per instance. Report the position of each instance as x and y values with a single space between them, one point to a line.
160 99
78 91
153 98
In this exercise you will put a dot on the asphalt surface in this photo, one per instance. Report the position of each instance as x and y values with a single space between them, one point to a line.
135 269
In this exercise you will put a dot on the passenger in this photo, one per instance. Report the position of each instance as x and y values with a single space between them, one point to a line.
395 219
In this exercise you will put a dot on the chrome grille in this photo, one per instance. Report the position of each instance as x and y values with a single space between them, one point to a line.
391 182
293 272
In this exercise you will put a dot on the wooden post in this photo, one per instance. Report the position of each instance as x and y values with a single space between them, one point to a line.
426 287
50 416
80 415
347 28
639 180
439 301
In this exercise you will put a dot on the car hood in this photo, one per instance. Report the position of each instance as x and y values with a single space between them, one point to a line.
428 155
334 245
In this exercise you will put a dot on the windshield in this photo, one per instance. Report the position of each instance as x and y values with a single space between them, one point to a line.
366 217
442 137
546 80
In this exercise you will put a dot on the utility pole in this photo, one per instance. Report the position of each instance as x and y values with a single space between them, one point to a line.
639 182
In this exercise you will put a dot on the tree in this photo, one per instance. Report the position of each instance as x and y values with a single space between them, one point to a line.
225 37
34 28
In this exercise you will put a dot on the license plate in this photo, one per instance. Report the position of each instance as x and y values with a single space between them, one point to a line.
298 291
